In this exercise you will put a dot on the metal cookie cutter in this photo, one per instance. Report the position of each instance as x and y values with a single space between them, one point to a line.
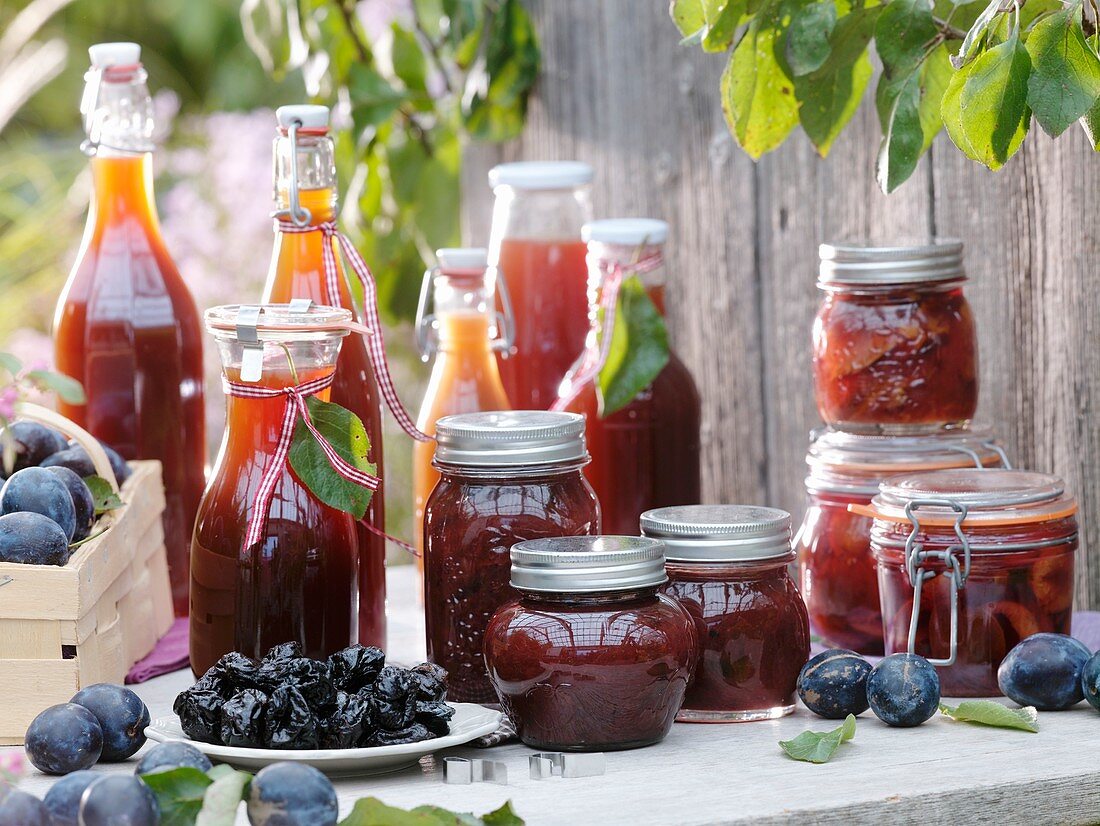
464 771
548 763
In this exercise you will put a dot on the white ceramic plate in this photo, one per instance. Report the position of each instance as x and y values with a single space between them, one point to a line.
470 721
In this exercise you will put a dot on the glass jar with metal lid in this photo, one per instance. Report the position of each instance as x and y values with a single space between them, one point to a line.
970 563
591 656
728 566
836 569
504 477
894 343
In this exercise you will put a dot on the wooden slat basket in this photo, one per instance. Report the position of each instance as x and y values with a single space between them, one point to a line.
66 627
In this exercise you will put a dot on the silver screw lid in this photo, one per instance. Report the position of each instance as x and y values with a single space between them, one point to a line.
720 533
510 438
861 265
584 564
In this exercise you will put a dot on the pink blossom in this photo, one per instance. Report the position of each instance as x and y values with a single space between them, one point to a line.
8 397
13 765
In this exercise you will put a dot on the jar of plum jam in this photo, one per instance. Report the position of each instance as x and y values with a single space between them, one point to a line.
727 565
504 477
970 563
837 572
591 657
894 347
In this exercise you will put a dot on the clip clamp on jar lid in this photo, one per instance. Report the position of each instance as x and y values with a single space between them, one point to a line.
719 533
988 498
588 564
511 438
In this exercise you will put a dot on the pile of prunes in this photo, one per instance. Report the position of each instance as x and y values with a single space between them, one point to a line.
289 701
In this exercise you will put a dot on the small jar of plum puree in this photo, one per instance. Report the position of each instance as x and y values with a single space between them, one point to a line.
894 345
503 477
591 657
728 566
970 562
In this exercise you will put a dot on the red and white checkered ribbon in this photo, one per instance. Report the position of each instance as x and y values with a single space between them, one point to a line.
295 407
594 357
376 348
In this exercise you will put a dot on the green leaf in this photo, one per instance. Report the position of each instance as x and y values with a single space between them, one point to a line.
688 16
1065 73
370 811
639 348
69 390
819 746
10 363
1091 121
504 816
409 63
990 713
180 793
831 94
976 34
223 797
496 100
345 432
722 19
448 818
985 106
373 99
103 496
808 37
904 30
757 95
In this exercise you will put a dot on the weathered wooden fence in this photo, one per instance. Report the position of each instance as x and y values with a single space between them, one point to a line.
618 91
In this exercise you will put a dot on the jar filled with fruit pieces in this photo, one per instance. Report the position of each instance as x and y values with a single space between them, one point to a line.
894 343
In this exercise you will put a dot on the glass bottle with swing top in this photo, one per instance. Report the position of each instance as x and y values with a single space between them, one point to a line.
299 581
305 198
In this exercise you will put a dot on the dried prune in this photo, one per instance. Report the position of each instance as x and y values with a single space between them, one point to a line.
411 734
348 722
431 682
289 722
434 717
393 698
311 677
216 682
355 666
199 712
236 669
284 651
242 719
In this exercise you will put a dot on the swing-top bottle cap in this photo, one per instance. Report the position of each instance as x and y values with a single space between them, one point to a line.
307 116
541 174
106 55
467 259
625 231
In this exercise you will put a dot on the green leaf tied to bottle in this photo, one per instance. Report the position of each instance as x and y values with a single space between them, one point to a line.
345 432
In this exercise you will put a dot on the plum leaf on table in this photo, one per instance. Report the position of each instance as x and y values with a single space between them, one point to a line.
992 713
370 811
820 746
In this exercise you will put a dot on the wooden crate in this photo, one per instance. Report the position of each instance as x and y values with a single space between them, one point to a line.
62 628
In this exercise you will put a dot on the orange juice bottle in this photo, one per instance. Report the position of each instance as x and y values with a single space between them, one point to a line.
305 195
463 334
126 326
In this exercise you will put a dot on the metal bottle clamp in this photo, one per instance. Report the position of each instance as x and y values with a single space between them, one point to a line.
915 556
566 764
464 771
298 214
973 454
252 349
425 327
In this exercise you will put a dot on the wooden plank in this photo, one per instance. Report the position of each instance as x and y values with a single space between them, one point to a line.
22 639
27 687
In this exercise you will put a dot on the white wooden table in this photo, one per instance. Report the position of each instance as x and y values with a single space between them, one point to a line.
941 772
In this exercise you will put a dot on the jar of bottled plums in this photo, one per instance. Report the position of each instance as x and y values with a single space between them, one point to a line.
894 347
728 566
970 563
591 657
837 573
504 477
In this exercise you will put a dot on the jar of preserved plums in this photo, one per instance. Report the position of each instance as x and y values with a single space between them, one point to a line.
894 347
590 657
727 565
836 569
504 477
970 563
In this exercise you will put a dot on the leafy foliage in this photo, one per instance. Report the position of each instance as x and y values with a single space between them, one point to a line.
445 72
981 69
820 746
639 348
992 713
345 432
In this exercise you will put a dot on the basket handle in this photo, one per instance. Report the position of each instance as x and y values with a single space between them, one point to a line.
51 418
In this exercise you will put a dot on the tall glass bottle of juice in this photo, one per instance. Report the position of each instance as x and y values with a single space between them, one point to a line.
305 195
645 455
463 332
126 326
535 243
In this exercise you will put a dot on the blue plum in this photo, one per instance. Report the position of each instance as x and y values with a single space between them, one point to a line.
17 808
166 756
1090 680
32 539
118 464
833 684
36 490
83 503
63 798
32 442
75 459
122 716
903 690
64 738
119 800
292 794
1044 670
